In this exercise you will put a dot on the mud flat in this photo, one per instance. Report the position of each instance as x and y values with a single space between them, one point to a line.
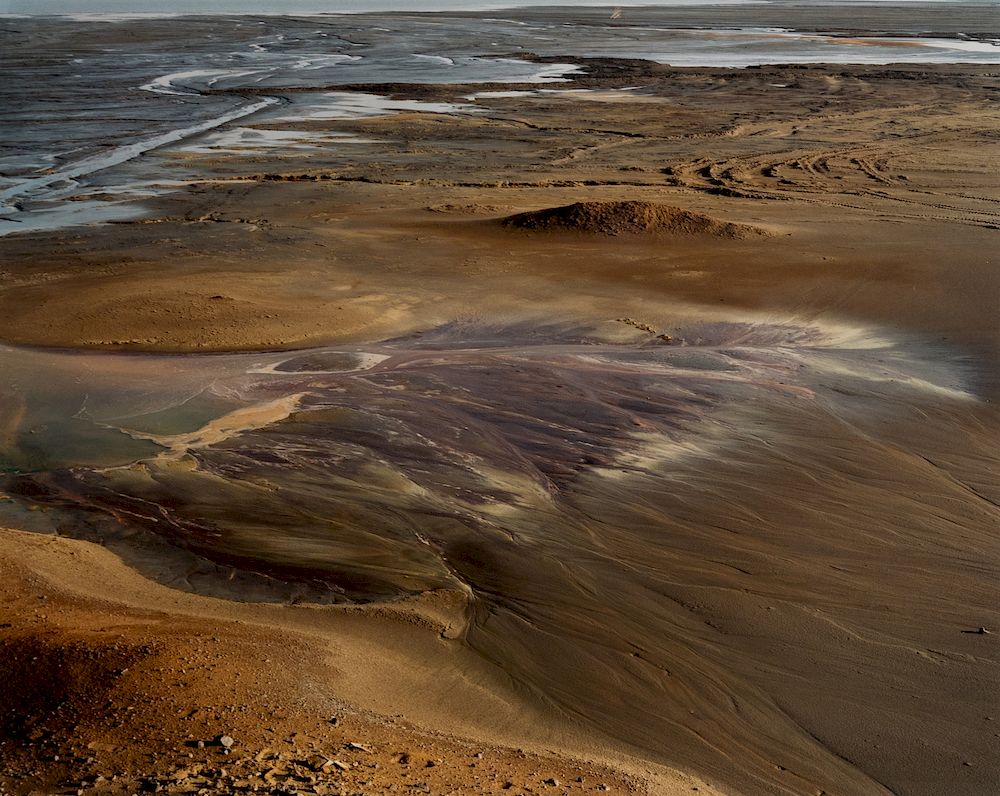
630 430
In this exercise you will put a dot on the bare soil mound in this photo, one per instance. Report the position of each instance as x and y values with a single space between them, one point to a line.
627 218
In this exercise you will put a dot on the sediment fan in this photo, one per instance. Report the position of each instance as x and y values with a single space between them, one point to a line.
627 218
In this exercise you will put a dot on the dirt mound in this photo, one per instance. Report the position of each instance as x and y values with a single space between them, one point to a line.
627 218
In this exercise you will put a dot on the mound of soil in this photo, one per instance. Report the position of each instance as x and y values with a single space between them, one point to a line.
627 218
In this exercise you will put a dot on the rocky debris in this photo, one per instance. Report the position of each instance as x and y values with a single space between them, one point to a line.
143 741
321 763
301 771
626 218
645 327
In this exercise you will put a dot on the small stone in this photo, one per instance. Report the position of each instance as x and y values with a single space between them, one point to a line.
552 781
200 744
226 741
359 747
341 765
430 764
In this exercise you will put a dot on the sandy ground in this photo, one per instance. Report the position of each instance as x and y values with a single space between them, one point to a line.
259 263
130 692
804 624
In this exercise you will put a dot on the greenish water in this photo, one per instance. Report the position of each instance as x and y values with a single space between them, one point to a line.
61 409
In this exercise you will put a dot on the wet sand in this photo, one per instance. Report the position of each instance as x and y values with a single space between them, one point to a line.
677 503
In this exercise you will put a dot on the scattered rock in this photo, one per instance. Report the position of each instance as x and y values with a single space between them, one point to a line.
321 763
225 741
642 327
